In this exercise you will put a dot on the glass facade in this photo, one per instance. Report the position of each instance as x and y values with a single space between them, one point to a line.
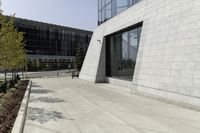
48 39
121 53
53 46
109 8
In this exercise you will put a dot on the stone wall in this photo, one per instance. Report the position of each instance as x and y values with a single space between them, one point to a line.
168 62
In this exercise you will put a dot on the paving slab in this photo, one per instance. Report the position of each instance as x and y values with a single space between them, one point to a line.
65 105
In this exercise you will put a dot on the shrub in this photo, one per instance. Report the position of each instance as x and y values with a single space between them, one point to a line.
3 87
11 84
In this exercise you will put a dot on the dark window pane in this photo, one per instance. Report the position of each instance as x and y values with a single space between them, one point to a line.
110 8
122 49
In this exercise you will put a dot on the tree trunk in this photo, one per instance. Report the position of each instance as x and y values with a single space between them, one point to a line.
5 73
23 74
12 75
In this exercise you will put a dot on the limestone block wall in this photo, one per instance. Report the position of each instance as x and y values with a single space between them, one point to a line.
94 67
93 56
168 62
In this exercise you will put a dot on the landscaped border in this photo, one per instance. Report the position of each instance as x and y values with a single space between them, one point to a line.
21 117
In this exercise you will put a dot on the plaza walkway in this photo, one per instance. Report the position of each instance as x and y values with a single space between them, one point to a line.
63 105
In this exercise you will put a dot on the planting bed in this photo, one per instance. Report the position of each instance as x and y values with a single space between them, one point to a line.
9 106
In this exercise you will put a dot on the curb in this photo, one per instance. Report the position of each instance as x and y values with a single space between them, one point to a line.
20 120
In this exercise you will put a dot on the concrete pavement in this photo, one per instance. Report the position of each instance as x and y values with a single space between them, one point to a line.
63 105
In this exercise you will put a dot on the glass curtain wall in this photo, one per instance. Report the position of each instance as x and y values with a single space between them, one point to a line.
109 8
55 42
121 50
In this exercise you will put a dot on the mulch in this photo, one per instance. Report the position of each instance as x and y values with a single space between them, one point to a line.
9 106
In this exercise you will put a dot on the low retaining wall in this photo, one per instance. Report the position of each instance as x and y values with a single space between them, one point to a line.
20 120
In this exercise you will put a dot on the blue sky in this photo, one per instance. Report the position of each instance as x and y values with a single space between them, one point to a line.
73 13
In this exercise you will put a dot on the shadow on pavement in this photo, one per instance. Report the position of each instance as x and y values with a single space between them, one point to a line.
41 91
34 84
43 116
46 100
37 89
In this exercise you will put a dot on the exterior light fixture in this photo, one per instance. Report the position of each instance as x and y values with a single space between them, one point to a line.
99 41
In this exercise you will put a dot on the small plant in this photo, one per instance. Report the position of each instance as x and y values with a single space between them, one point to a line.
11 84
3 87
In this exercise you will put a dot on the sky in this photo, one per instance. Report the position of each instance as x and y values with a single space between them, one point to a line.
72 13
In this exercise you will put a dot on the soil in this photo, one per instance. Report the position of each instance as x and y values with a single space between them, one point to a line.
9 106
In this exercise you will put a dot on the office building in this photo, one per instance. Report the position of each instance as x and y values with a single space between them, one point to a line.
151 47
53 46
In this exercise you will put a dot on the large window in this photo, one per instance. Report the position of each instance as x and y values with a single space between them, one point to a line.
109 8
121 53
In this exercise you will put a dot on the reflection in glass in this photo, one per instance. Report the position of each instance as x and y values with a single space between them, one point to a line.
122 49
109 8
